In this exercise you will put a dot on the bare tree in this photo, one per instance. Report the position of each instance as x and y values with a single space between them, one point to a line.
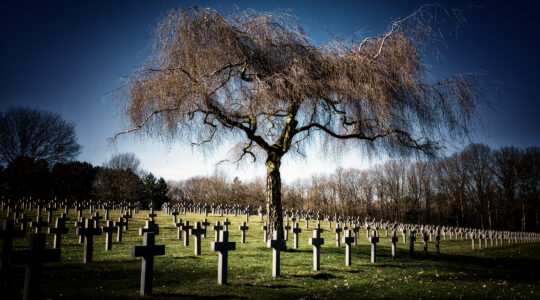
36 134
255 78
124 161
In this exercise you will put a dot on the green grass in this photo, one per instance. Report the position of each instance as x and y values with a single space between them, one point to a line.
509 271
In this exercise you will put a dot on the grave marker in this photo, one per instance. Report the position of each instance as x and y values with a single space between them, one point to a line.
147 252
223 246
316 241
34 259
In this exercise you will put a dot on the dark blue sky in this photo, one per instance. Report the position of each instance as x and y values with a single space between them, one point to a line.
68 56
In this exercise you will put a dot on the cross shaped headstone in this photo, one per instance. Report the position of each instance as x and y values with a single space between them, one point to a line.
50 209
186 227
179 225
34 259
412 239
96 218
119 224
174 214
88 231
226 224
338 232
243 228
316 241
265 231
374 239
393 240
296 230
437 242
7 235
38 224
58 231
197 232
147 252
217 228
150 226
277 244
23 219
348 240
287 228
223 246
425 238
205 223
109 229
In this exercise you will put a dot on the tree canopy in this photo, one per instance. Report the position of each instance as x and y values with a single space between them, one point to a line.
36 134
255 78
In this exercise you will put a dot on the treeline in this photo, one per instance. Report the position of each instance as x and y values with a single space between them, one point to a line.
477 187
118 180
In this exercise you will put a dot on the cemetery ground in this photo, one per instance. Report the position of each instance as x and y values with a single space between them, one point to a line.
508 271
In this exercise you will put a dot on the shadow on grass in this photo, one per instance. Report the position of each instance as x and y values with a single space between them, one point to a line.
190 296
323 276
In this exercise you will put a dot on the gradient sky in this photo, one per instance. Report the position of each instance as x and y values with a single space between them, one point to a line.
69 56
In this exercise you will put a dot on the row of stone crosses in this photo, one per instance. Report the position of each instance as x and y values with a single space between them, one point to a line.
87 228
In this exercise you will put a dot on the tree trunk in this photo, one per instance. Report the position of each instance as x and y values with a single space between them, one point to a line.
273 195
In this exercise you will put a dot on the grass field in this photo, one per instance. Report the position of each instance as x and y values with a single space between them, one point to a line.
509 271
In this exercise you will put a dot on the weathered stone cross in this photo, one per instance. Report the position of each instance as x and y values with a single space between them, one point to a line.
197 232
243 228
316 241
34 259
223 246
88 232
348 240
277 244
147 252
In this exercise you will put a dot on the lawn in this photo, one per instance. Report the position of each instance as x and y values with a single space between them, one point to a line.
509 271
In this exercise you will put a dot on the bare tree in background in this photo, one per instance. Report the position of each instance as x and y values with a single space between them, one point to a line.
124 161
36 134
254 78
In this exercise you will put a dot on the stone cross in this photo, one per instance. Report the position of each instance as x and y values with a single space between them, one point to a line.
150 226
34 259
355 229
412 239
96 219
217 228
147 252
205 223
109 229
296 230
265 230
348 240
393 240
38 224
437 242
226 224
23 220
286 232
179 225
338 231
119 224
174 214
243 228
223 246
425 238
186 228
277 244
316 241
7 235
374 239
50 209
57 232
88 232
197 232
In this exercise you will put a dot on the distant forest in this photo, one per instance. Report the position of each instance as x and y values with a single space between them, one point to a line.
477 187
